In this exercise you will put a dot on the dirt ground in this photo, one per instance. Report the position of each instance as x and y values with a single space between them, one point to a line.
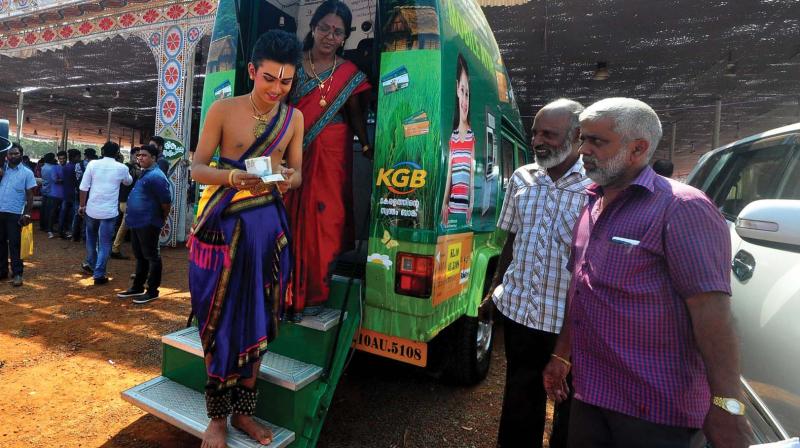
68 348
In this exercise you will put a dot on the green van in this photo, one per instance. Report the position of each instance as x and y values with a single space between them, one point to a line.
425 215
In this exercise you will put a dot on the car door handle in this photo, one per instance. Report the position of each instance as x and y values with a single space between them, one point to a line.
743 265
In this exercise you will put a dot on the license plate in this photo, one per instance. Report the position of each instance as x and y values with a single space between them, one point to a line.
399 349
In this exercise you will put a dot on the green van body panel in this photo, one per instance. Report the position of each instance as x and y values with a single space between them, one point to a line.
416 102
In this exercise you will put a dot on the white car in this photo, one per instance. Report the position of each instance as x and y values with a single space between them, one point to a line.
755 182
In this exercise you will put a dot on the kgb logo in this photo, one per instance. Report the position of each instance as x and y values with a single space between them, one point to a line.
402 178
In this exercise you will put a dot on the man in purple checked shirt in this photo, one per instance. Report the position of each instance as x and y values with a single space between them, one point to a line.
648 332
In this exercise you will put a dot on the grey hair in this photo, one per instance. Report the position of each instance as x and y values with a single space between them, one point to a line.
632 118
564 105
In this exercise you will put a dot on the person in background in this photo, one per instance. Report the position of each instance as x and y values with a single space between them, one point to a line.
148 206
16 190
89 154
124 192
70 186
663 167
99 195
52 191
163 163
27 162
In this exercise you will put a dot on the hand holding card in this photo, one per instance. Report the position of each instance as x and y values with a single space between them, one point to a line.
262 167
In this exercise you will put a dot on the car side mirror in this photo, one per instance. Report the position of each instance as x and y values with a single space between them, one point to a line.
770 222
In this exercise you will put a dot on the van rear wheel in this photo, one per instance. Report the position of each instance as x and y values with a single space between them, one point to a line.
472 342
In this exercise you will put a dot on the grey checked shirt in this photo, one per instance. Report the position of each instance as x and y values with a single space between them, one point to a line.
542 214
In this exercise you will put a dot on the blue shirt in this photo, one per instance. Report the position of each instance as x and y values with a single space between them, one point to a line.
13 187
53 175
70 184
145 200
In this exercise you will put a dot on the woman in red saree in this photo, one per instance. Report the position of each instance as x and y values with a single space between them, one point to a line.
320 212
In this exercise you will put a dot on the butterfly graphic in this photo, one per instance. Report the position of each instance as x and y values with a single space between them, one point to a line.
388 241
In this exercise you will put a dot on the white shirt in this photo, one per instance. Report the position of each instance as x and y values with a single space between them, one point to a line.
542 214
102 180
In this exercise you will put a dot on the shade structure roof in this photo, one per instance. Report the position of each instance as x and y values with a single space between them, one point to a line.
672 54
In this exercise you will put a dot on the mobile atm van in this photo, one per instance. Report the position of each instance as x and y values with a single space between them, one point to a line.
425 211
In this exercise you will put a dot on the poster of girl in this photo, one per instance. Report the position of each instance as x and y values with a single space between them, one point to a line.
457 204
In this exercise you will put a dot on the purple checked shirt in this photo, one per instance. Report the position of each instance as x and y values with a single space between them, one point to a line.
633 350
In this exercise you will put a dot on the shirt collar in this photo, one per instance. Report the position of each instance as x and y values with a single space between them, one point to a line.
645 179
576 168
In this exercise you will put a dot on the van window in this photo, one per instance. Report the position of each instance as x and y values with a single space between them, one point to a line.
750 176
507 153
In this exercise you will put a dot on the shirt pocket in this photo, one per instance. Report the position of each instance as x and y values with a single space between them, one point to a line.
627 265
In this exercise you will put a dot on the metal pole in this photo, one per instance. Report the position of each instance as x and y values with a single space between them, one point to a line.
64 132
717 120
672 143
188 96
20 115
108 126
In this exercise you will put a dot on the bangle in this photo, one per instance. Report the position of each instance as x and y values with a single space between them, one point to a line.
231 173
553 355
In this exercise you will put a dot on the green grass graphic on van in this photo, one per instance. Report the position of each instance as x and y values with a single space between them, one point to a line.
409 138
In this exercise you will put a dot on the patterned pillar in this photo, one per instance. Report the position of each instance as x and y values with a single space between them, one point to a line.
173 46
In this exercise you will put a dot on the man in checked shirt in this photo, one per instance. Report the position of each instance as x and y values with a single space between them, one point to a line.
653 354
530 285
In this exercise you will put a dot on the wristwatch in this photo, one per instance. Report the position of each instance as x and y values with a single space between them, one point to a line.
731 405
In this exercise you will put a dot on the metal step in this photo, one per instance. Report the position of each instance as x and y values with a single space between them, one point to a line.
324 321
186 409
277 369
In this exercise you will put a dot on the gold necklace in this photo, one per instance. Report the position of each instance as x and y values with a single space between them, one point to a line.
323 102
262 119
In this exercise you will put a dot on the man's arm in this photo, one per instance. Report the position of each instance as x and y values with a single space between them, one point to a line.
506 255
26 217
716 340
165 209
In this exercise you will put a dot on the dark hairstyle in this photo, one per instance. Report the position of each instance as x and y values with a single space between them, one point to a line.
663 167
110 149
73 153
149 148
61 153
50 158
89 152
158 139
336 8
278 46
461 67
18 146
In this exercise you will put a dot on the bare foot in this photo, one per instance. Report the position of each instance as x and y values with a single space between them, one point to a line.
248 425
216 434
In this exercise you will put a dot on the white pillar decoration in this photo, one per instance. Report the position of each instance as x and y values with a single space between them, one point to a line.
173 46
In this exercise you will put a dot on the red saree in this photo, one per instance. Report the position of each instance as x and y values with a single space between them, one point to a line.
320 211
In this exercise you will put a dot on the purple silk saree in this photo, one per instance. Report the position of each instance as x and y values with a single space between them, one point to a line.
239 266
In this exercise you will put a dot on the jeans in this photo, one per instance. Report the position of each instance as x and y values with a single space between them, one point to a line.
146 249
77 223
53 206
10 240
65 217
99 233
